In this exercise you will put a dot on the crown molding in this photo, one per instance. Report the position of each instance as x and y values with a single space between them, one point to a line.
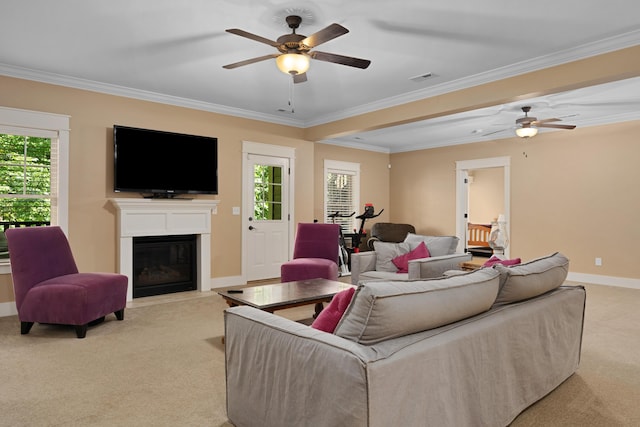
127 92
588 50
610 44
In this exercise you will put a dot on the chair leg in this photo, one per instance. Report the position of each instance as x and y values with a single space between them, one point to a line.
81 330
119 314
25 327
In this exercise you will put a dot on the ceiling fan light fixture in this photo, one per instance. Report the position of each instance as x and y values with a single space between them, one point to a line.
293 63
527 132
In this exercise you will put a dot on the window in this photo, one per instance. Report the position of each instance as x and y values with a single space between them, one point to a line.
26 193
33 170
267 192
342 192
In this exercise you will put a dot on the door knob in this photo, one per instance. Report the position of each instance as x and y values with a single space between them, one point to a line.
251 227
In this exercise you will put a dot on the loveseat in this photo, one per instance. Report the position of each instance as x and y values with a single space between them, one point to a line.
472 349
378 264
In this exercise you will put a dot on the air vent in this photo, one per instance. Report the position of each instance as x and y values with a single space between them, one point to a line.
421 77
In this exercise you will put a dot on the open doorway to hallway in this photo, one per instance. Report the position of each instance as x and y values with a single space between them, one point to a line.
481 203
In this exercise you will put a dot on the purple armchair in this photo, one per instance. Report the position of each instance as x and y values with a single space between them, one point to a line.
48 287
315 253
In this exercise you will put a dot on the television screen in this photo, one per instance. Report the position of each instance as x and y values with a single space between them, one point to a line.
164 164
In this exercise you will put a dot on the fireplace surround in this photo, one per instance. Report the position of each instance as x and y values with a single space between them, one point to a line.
152 217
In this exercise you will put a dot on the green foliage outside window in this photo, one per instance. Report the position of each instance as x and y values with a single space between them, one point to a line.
25 178
267 192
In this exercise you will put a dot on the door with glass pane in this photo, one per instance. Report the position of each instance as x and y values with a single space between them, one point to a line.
267 216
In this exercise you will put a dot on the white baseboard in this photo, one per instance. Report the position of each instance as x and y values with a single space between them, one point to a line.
597 279
8 309
221 282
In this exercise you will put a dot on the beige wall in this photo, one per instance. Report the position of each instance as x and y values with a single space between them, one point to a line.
486 195
92 219
571 191
567 184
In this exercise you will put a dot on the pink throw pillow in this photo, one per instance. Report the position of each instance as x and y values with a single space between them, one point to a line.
506 262
402 261
328 318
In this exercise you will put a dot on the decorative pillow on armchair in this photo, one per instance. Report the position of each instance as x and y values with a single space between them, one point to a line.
402 261
386 252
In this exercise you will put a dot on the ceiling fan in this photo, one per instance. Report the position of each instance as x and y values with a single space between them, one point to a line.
527 126
295 49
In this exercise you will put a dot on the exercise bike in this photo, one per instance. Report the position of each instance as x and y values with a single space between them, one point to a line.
367 214
343 253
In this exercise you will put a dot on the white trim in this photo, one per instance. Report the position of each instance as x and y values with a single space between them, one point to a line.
8 309
350 168
223 282
58 123
462 167
596 279
148 217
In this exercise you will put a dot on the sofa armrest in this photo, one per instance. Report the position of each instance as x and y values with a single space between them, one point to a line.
274 363
425 268
361 262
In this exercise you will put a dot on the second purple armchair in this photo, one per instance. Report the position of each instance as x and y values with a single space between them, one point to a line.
315 253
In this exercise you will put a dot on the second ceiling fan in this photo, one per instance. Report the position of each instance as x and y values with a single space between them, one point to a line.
527 126
295 49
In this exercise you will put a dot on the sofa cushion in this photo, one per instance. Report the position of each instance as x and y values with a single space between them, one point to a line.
386 252
389 309
437 245
528 280
402 261
328 318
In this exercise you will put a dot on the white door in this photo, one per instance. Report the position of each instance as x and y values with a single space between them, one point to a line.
266 211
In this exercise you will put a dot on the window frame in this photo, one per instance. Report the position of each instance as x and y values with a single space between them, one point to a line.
346 168
49 125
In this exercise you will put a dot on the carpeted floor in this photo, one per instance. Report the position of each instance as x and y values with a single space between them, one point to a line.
164 365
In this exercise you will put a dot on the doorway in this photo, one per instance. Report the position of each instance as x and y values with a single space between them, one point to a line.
267 212
464 171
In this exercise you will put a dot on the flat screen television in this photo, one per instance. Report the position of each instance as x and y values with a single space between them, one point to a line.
164 164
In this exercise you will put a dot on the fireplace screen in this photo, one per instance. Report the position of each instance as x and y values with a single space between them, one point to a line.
163 264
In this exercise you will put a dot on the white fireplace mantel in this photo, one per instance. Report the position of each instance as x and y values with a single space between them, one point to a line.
153 217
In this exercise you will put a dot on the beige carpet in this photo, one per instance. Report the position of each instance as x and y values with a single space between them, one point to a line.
164 365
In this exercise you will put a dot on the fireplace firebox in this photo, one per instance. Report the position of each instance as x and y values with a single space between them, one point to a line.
164 264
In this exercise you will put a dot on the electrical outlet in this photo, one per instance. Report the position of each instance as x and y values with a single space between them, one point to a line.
599 262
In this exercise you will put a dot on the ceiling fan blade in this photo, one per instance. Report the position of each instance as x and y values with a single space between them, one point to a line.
340 59
497 131
250 61
300 78
251 36
546 125
537 122
324 35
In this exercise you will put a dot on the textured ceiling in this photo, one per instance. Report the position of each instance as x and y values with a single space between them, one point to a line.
173 52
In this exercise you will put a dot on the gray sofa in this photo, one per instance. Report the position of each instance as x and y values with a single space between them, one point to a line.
470 349
378 265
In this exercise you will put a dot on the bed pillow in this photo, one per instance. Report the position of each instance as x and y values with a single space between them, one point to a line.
437 245
386 252
402 261
328 318
528 280
381 310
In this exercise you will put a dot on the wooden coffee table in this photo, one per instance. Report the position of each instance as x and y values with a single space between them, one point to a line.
286 295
